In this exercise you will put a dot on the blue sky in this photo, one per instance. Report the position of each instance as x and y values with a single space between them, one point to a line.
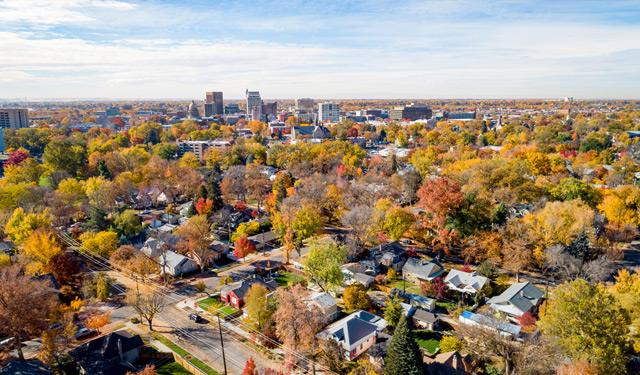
321 49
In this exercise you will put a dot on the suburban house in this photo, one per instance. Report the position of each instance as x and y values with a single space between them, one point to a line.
450 363
35 367
327 304
416 300
425 320
355 272
355 333
465 282
518 299
235 293
7 247
418 270
505 328
112 354
176 264
263 241
383 257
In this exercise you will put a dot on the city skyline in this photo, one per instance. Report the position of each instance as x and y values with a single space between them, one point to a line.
375 49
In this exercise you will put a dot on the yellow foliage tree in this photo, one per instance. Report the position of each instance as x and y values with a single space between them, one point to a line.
21 224
40 247
102 243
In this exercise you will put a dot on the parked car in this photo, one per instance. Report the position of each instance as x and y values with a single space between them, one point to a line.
6 342
146 212
195 317
55 326
83 333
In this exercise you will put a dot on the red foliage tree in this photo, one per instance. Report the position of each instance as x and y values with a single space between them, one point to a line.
118 122
250 367
441 198
243 248
412 253
435 288
204 206
16 157
342 170
466 268
240 206
353 132
65 268
527 320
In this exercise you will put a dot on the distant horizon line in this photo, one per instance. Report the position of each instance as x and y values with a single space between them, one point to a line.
70 99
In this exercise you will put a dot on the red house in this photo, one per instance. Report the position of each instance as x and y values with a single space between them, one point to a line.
235 293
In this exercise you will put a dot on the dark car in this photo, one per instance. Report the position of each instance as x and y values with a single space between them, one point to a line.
83 333
55 326
195 317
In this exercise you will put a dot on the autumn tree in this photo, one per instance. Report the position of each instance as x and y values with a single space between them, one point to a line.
576 305
435 288
98 286
65 268
403 356
360 221
450 344
41 246
128 223
392 310
198 240
147 303
355 297
147 370
134 260
243 247
517 253
323 264
441 198
250 367
101 243
99 320
21 224
258 307
25 305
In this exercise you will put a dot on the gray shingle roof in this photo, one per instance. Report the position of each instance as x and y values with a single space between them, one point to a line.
423 268
425 316
522 296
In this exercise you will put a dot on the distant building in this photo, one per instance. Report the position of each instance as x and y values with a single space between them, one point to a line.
269 109
256 112
213 104
14 118
194 113
460 115
410 112
329 112
305 104
231 109
2 148
253 100
199 148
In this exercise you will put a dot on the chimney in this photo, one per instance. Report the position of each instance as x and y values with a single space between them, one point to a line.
120 354
522 293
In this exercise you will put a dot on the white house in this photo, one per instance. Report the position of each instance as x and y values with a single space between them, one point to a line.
355 333
326 303
465 282
418 270
518 299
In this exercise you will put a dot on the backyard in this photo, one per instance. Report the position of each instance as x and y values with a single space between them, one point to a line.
172 368
411 287
206 303
428 340
288 278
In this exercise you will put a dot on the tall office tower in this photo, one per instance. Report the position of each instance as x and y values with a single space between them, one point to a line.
213 104
305 104
1 140
14 118
328 112
253 100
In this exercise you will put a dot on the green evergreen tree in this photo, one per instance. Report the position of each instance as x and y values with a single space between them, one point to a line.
192 210
281 191
103 170
202 193
97 219
394 164
403 356
250 159
499 214
215 194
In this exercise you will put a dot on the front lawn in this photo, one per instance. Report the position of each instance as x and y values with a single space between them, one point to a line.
411 287
172 369
206 303
183 353
288 278
428 340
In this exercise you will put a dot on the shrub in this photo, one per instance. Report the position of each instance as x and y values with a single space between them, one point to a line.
450 344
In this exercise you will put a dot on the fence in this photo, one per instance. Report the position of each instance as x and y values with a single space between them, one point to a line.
187 365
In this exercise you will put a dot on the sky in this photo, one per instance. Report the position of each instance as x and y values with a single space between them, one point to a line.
320 49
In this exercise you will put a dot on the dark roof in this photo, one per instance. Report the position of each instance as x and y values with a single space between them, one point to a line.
96 356
241 289
25 368
425 316
379 348
50 279
305 130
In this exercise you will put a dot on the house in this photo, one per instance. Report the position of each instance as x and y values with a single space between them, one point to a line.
25 368
378 350
235 293
418 270
425 320
169 219
518 299
184 208
7 248
465 282
355 272
450 363
355 333
506 329
416 300
264 240
112 354
176 264
326 303
383 257
155 223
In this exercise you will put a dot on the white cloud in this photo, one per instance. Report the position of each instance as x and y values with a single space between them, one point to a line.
43 14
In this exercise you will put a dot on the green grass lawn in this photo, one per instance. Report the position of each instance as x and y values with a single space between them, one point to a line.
286 278
207 302
172 368
411 287
428 340
183 353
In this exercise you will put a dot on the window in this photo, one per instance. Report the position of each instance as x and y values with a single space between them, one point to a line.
233 300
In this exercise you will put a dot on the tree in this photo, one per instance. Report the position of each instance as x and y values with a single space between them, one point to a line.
148 370
55 342
128 223
588 324
517 254
103 170
392 310
258 307
63 155
435 288
101 243
296 323
441 198
397 222
355 297
243 247
167 151
192 211
499 214
204 206
332 355
323 264
258 184
148 303
99 320
134 260
40 248
250 367
21 224
360 221
571 188
198 240
16 157
450 344
579 368
97 219
25 305
365 367
403 356
65 268
215 195
98 286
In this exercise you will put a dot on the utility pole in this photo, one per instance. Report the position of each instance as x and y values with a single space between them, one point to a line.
224 359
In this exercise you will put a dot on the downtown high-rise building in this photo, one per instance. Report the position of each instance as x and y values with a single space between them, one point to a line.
305 104
253 100
213 104
329 112
14 118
